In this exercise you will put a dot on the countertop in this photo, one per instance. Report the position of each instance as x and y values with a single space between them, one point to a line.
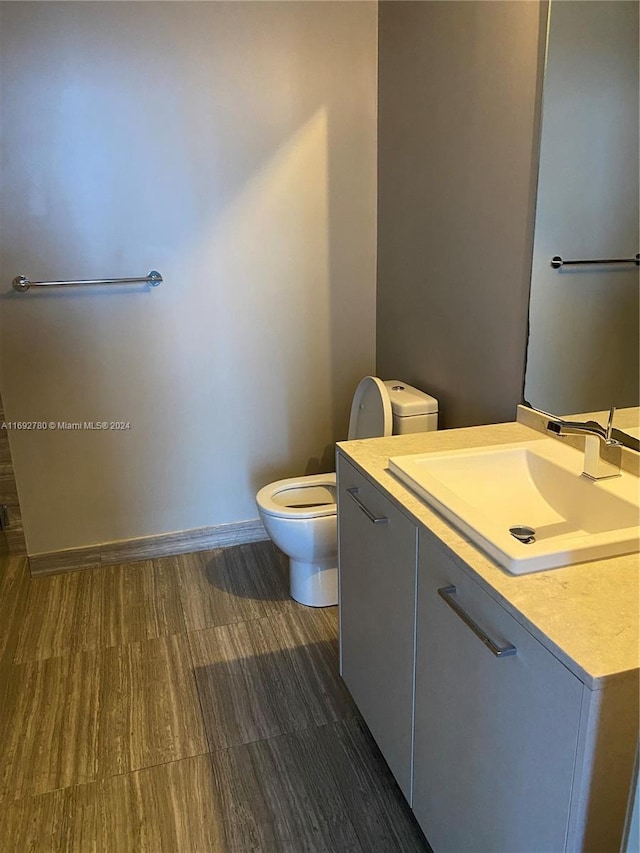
585 614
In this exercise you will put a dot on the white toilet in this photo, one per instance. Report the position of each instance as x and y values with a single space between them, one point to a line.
300 514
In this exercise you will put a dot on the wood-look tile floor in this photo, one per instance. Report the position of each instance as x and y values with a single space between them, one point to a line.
183 704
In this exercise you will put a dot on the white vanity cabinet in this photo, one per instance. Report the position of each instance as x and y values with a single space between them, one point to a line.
497 718
377 566
497 745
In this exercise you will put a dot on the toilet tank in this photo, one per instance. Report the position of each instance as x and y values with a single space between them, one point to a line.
413 410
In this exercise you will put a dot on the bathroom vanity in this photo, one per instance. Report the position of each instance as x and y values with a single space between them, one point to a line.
506 706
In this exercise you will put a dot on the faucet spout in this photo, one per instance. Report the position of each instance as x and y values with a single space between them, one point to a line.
561 428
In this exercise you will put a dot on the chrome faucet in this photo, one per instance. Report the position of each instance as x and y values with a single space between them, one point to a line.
602 452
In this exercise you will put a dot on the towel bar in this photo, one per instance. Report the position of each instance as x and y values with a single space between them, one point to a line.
21 283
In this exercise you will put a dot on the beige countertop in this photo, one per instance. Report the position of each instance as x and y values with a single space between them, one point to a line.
586 614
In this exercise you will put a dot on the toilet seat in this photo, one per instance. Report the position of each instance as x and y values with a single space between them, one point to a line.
313 496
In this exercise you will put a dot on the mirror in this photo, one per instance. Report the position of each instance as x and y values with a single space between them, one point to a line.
584 348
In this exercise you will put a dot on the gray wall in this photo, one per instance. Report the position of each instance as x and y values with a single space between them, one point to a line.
458 108
232 146
584 343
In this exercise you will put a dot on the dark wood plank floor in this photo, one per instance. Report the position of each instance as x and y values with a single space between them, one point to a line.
183 704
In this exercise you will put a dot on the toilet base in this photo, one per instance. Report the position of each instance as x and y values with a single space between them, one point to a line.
314 584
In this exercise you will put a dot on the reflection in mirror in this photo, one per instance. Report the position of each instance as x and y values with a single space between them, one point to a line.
583 350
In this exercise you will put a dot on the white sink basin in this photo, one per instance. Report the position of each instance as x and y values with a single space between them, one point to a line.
538 484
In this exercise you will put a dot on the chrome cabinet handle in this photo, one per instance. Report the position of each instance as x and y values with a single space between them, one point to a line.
376 519
447 593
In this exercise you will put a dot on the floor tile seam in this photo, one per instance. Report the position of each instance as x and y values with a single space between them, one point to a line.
100 574
248 743
101 629
297 612
190 673
25 798
7 800
336 788
61 656
201 699
108 777
177 585
204 748
21 559
280 648
293 679
336 792
310 643
183 598
94 649
276 617
190 631
213 748
286 732
334 775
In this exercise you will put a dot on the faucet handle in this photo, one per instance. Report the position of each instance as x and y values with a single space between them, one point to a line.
612 411
609 430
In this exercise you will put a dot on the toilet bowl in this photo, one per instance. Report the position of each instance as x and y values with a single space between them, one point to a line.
300 513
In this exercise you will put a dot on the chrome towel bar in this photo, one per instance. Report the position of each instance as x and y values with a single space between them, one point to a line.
557 261
21 283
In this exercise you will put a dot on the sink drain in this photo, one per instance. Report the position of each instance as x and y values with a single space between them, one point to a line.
523 534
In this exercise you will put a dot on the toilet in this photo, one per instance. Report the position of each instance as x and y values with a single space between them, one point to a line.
300 513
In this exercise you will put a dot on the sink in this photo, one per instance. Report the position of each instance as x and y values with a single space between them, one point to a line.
537 484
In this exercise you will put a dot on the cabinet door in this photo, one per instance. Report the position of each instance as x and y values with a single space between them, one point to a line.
377 569
495 736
